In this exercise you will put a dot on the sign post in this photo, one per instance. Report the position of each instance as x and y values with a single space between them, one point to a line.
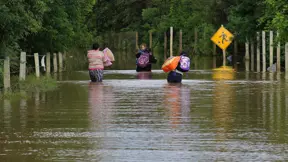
222 38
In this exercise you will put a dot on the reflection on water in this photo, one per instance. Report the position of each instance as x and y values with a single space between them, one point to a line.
223 103
124 119
101 101
177 103
144 75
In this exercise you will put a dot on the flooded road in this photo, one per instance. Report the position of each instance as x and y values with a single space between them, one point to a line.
131 117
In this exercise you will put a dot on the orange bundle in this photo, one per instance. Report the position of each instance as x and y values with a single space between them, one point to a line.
170 64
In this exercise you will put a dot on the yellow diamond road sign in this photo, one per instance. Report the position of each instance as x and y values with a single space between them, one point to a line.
222 38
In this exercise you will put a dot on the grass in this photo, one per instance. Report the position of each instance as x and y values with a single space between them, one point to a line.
13 95
33 84
20 89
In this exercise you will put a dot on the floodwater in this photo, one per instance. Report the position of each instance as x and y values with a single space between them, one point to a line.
135 118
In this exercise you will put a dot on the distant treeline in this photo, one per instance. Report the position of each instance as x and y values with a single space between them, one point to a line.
60 25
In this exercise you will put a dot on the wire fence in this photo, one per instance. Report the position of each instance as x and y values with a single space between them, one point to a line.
28 64
33 55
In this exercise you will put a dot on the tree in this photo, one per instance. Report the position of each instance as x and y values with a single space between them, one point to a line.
63 27
276 17
19 18
243 18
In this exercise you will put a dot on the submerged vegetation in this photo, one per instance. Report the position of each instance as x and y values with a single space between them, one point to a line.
33 84
30 85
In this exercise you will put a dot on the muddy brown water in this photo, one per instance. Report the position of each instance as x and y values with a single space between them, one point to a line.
131 117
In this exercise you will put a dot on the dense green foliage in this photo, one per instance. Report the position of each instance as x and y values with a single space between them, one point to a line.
64 25
276 17
43 25
58 25
243 18
18 19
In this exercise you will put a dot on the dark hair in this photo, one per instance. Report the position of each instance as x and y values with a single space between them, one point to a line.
95 46
183 53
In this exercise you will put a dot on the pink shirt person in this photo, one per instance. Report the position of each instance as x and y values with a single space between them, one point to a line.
96 59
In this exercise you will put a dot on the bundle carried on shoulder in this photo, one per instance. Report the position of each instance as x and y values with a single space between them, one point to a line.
108 56
109 53
170 64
